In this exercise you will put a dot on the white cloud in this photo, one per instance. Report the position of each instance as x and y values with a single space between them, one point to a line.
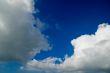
19 40
91 55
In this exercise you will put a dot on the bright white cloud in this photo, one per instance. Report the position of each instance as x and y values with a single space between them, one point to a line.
19 40
91 55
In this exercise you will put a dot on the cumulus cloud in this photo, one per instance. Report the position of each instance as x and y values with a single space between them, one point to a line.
19 40
91 55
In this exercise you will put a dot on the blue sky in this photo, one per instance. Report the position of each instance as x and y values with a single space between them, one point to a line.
54 36
68 19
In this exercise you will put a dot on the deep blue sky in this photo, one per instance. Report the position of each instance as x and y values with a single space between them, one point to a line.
68 19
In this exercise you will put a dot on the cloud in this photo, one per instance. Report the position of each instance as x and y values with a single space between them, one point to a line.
41 25
91 55
19 40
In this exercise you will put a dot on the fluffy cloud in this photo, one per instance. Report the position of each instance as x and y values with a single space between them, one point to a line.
19 40
91 55
92 51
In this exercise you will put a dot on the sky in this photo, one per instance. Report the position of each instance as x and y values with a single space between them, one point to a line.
54 36
68 19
